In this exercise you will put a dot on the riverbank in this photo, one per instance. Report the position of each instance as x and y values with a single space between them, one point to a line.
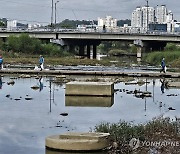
122 73
161 135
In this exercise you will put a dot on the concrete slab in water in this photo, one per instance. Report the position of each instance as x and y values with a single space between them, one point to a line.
89 101
78 141
89 88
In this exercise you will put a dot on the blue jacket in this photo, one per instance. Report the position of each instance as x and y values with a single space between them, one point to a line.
41 60
163 63
1 60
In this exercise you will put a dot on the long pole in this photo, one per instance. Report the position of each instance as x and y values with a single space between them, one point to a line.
52 11
147 14
55 12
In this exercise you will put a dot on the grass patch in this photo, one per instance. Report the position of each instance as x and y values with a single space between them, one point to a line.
156 57
158 130
69 60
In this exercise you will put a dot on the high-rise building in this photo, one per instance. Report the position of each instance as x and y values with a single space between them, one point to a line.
143 16
148 16
169 17
137 17
161 14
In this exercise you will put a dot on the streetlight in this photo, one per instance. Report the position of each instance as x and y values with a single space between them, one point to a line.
55 11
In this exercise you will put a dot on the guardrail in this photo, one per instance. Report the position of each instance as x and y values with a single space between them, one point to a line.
21 30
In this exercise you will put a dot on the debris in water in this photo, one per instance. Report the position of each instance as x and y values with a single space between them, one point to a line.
8 95
11 83
17 99
28 98
35 87
64 114
170 108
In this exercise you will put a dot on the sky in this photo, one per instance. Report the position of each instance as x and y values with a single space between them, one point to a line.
39 11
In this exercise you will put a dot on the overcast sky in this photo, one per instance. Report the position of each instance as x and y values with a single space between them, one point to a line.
40 10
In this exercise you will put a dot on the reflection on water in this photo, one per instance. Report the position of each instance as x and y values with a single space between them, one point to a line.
89 101
24 124
0 82
41 83
48 151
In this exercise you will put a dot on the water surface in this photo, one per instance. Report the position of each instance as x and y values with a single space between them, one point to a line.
24 124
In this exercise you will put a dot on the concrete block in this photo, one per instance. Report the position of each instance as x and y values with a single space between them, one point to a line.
89 88
89 101
78 141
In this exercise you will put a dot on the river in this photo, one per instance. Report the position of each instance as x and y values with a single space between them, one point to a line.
27 116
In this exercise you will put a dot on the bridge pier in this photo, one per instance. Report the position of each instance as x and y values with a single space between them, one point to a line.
156 46
81 50
69 48
88 51
94 51
139 51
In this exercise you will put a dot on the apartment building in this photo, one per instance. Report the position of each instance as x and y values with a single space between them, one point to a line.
142 17
11 24
109 23
161 14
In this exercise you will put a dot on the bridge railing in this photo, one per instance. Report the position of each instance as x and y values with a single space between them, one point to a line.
108 31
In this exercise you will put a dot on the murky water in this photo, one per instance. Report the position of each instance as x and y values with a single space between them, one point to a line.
24 123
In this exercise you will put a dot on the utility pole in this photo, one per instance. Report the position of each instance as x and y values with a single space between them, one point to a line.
52 11
55 12
147 14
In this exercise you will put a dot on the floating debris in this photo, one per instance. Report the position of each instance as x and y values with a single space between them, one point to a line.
17 99
37 77
8 95
172 95
170 108
28 98
58 126
140 94
35 87
13 78
64 114
129 92
115 90
11 82
24 76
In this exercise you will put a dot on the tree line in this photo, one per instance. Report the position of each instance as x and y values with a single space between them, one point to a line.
73 23
29 45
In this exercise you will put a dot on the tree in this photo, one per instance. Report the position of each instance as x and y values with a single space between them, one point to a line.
13 43
2 24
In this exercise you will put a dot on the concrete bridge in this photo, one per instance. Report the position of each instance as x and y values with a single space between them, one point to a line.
88 41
